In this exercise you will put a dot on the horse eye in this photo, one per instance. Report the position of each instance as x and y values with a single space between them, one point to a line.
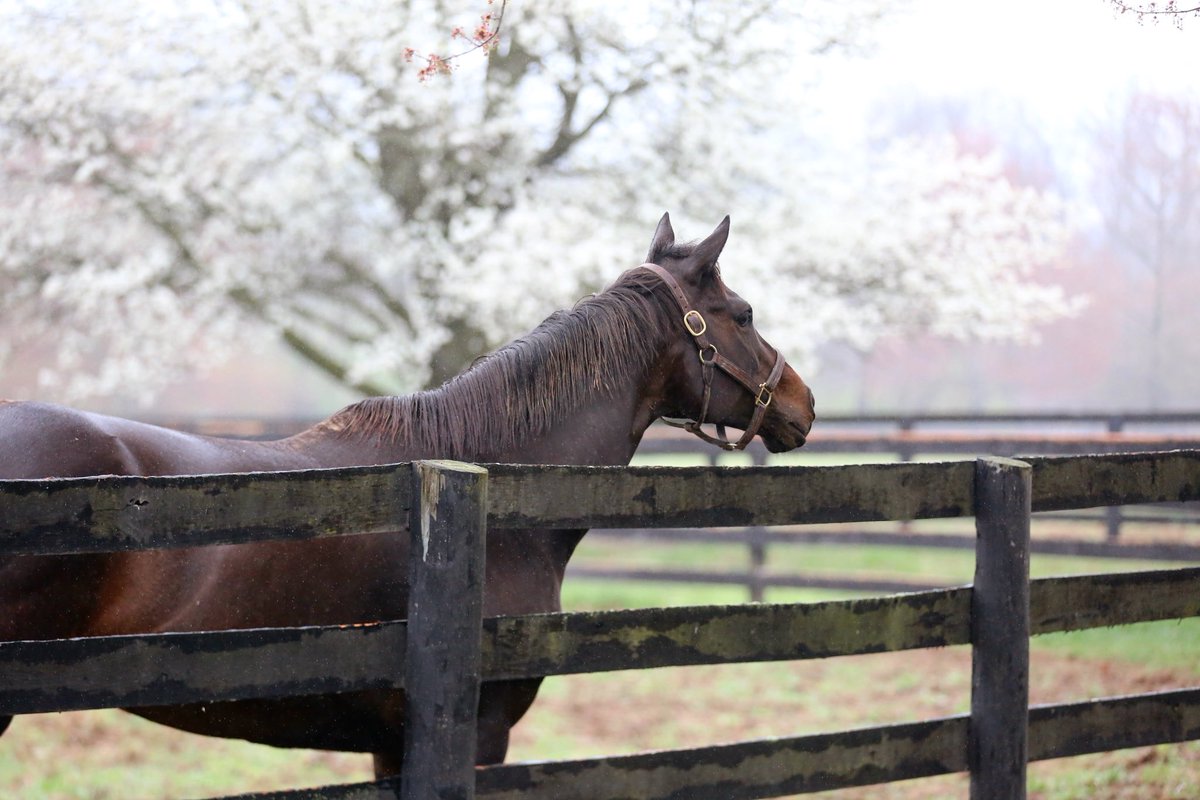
745 318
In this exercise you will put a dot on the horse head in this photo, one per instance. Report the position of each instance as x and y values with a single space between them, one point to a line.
727 374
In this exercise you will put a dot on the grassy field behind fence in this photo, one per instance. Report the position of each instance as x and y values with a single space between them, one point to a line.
109 754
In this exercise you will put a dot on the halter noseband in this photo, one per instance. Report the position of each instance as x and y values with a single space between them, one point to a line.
693 322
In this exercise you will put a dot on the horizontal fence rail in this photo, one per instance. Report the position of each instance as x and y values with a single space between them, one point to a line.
94 515
165 668
611 497
107 514
205 667
820 762
1050 503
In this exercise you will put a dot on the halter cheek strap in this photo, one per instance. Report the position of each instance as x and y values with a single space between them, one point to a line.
710 358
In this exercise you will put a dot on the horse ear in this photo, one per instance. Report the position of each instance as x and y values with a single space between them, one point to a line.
708 251
664 237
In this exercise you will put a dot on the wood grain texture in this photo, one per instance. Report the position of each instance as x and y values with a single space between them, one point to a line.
556 644
173 668
1000 630
616 497
445 603
1113 480
1113 723
104 514
755 769
1080 602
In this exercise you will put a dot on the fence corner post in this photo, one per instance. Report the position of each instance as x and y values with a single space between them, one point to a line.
442 660
1000 630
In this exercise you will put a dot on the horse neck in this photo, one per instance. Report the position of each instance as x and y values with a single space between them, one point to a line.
581 389
603 433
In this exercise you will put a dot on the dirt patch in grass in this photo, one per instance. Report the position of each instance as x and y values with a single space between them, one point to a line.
110 754
692 707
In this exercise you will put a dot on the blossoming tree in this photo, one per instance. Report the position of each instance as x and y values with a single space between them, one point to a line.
177 178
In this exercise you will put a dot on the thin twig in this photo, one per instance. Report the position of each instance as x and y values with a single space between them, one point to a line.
485 38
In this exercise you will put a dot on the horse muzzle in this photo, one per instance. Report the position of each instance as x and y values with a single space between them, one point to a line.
780 439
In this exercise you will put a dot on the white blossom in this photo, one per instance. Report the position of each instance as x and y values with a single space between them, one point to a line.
180 178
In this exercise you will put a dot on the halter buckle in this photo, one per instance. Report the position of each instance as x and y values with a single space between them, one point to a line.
687 322
763 390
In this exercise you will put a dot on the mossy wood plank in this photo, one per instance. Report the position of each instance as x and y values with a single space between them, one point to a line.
1080 602
1113 480
756 769
742 771
174 668
125 513
1113 723
620 497
555 644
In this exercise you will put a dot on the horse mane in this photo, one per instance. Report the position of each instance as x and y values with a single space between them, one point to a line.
523 389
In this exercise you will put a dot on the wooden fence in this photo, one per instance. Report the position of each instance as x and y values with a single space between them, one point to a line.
452 507
904 437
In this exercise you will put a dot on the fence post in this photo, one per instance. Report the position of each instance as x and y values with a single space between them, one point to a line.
442 662
1000 630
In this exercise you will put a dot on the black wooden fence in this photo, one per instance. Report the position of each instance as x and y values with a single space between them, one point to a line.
905 437
902 437
453 506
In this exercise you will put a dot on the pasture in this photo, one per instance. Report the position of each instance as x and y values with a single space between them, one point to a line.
109 754
690 706
106 755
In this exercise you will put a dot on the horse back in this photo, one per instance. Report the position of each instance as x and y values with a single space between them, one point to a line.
131 592
41 440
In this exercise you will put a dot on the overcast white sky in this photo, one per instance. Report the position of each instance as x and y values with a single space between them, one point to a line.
1062 58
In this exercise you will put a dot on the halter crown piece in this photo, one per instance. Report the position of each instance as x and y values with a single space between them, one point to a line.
694 323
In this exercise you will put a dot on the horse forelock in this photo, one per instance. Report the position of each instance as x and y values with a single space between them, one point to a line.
528 386
680 251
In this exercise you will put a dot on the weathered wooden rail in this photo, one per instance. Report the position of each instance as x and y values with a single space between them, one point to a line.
902 437
905 437
449 508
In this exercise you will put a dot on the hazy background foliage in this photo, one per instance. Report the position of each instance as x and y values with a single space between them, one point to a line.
231 207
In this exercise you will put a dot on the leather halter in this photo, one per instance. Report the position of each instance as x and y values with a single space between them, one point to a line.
710 357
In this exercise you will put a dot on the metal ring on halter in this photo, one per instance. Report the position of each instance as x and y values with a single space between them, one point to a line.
687 322
708 362
758 398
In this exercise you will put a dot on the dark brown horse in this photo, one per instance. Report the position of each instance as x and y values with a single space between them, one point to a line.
582 388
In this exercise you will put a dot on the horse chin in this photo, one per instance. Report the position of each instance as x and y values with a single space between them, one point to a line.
782 445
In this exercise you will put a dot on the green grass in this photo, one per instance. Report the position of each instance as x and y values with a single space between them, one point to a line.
103 755
1171 644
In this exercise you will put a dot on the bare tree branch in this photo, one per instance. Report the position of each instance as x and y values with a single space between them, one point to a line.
1169 9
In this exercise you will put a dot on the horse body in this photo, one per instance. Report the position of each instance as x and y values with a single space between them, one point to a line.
580 389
